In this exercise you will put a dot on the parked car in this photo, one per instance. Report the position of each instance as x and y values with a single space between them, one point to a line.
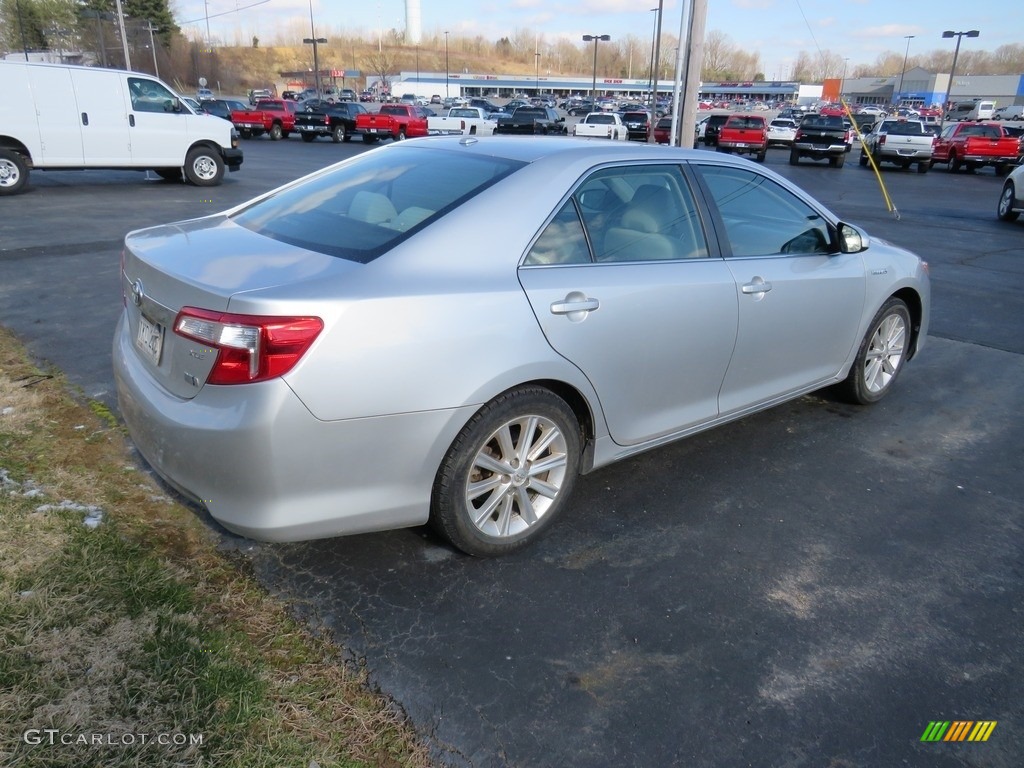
1011 198
781 131
663 131
259 94
638 124
329 359
222 107
1013 112
712 124
204 94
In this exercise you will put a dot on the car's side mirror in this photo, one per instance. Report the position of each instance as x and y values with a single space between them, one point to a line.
852 239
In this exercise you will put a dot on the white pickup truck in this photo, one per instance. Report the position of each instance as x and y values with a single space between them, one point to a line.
903 142
601 125
468 121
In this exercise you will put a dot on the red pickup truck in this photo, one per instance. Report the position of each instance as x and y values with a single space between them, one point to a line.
394 121
744 135
273 116
973 145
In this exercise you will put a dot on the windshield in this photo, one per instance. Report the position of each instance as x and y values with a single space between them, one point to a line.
365 207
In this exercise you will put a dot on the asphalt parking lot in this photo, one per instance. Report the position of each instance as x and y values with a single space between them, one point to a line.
810 586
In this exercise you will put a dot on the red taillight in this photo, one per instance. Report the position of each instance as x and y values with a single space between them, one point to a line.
881 140
250 348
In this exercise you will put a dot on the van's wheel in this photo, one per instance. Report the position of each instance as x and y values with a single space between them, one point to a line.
204 167
881 355
168 174
508 473
338 135
13 172
276 132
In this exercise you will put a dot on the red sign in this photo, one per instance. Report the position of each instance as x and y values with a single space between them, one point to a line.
609 80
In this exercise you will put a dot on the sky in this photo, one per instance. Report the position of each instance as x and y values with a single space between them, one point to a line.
777 29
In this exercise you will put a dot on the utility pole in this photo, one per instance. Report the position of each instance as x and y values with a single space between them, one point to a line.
152 44
694 59
124 35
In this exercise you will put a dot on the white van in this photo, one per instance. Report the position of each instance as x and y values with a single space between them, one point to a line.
1009 113
982 110
59 117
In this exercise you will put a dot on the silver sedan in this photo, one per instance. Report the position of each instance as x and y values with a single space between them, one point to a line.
330 359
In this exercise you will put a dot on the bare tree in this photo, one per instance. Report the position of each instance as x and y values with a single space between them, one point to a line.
382 64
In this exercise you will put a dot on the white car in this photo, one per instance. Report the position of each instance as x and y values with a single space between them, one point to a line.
871 109
781 131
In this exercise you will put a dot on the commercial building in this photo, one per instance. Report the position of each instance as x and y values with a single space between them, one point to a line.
920 87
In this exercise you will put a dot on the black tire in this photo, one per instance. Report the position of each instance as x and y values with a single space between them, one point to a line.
834 161
863 159
762 155
339 134
794 157
841 160
308 137
13 172
168 174
1002 169
1004 209
204 167
401 135
954 163
276 132
923 167
492 521
880 356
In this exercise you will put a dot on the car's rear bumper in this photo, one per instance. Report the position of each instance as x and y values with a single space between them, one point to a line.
266 468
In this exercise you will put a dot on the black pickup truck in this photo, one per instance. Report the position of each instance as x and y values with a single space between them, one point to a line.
819 138
532 120
335 120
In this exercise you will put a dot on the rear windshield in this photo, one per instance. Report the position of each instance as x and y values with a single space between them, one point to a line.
361 209
822 122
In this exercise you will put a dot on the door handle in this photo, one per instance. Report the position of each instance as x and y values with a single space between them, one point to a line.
85 118
757 285
569 306
131 120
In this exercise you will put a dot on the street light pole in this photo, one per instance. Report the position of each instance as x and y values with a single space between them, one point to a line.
447 92
655 62
952 69
593 83
904 70
654 37
536 58
842 82
316 57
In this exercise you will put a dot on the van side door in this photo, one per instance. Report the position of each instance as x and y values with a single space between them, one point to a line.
157 122
57 118
101 118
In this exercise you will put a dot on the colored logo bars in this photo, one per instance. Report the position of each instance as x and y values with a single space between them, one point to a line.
958 730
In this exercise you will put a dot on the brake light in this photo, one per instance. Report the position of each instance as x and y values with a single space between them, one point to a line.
250 348
881 140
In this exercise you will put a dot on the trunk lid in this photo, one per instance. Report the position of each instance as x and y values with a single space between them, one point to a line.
203 263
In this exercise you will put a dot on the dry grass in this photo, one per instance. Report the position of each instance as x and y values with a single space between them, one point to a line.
139 626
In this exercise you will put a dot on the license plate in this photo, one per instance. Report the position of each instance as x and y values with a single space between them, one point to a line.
740 144
150 339
371 130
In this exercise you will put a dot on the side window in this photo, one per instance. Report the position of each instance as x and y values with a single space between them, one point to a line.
640 213
150 96
562 241
763 218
